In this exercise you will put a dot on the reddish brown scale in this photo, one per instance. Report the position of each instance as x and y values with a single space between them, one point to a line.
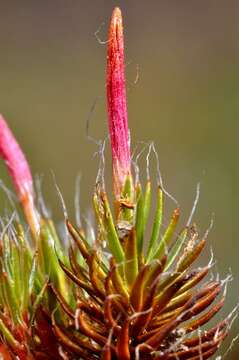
202 304
185 313
207 335
200 348
76 236
68 344
122 349
5 353
206 317
86 286
62 302
137 292
88 330
117 282
109 319
145 317
167 295
76 268
193 279
44 329
106 353
95 277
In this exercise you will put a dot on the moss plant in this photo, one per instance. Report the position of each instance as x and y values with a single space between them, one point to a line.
136 298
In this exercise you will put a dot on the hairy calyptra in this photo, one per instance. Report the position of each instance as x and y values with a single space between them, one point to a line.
20 173
138 299
116 103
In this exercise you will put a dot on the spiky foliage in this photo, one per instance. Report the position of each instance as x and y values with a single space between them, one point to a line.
129 294
135 306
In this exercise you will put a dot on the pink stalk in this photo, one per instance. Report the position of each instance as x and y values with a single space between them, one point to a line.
116 103
20 173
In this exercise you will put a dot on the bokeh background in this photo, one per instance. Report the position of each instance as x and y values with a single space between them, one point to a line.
182 68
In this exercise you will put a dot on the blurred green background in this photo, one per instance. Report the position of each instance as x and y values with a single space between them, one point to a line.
185 55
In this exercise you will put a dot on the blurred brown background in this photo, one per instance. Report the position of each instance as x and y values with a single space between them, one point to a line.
186 99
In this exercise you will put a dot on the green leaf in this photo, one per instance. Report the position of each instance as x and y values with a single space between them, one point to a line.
13 301
162 247
139 214
156 225
112 236
33 273
130 247
38 301
190 255
48 257
176 247
126 201
8 336
143 207
17 269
